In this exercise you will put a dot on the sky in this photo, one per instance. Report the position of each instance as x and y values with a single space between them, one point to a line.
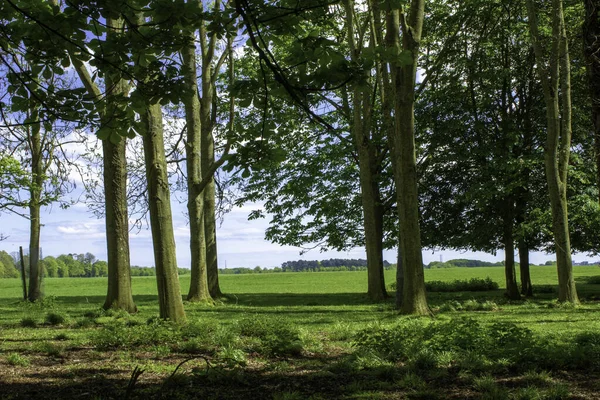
240 242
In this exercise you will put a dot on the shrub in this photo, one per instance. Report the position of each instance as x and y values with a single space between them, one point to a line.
92 314
585 351
84 323
194 346
593 280
462 341
538 379
28 322
120 334
341 331
425 360
471 285
528 393
53 318
558 391
412 381
277 337
16 359
547 289
51 349
232 356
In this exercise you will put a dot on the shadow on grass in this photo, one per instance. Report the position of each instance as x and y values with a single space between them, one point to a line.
248 299
330 378
315 381
298 299
541 292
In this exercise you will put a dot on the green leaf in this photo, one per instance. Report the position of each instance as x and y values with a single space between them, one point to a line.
114 138
103 133
47 73
405 57
245 102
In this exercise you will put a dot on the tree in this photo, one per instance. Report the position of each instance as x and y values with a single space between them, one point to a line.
310 176
51 267
482 158
119 293
365 140
9 269
554 74
148 96
199 290
39 147
402 142
100 268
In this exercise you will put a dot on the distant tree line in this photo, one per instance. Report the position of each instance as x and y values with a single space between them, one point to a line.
333 264
463 263
68 265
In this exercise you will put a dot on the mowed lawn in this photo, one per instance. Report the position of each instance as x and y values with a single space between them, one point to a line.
288 282
314 300
344 286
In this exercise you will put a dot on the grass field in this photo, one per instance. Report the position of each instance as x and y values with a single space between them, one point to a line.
303 335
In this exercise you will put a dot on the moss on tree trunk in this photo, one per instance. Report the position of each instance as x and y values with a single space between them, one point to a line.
35 193
199 291
161 221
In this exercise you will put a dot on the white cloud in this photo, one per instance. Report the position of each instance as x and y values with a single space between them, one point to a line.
87 230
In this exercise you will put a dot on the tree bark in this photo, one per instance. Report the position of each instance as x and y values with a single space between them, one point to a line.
199 291
403 78
35 193
207 117
399 281
161 221
210 232
558 141
512 290
361 128
23 278
526 287
119 294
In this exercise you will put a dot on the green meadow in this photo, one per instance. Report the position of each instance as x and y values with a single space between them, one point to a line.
303 335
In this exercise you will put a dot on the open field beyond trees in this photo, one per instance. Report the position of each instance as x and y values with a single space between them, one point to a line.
306 335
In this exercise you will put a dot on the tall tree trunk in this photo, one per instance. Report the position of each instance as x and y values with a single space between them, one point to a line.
208 119
556 156
387 107
210 232
512 290
403 77
399 281
119 294
210 220
199 279
161 221
35 193
591 37
373 225
361 127
526 287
